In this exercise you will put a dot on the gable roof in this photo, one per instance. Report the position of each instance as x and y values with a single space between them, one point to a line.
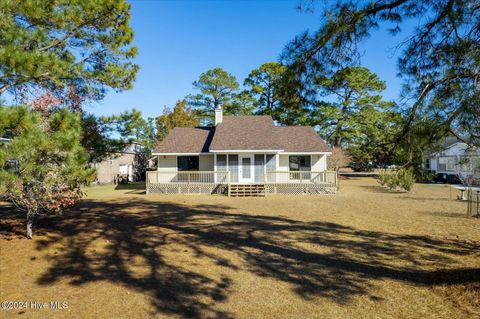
300 139
243 133
444 144
186 140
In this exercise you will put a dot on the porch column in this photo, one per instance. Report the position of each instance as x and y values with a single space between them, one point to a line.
214 168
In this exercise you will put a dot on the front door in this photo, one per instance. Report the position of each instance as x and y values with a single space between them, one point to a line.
246 169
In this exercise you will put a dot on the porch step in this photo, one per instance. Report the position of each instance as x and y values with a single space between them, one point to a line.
247 190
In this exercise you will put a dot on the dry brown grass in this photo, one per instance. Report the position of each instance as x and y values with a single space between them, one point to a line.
363 253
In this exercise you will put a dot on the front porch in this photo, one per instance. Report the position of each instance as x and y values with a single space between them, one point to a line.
221 182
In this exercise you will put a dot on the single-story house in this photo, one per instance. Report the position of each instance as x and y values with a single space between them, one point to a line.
452 157
242 156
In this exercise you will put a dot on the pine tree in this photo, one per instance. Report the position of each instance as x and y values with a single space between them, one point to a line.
57 46
44 166
218 88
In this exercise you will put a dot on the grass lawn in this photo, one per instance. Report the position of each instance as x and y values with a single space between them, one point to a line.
363 253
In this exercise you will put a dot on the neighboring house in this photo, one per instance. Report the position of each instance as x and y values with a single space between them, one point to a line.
453 156
242 155
10 164
127 164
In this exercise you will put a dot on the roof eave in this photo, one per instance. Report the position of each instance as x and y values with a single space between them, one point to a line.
179 153
308 153
247 151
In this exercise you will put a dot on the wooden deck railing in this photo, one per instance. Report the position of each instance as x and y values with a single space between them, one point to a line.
189 177
203 182
294 177
223 177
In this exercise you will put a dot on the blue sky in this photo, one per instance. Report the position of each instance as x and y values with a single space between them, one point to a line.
178 40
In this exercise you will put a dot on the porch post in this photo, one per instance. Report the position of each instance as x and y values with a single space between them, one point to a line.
228 183
265 173
214 168
265 178
146 182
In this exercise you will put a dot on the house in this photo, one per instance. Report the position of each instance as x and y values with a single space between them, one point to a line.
450 158
9 164
127 164
240 156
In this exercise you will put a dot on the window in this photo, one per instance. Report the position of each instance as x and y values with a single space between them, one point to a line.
427 164
271 162
221 163
259 160
299 163
447 163
123 169
187 163
233 167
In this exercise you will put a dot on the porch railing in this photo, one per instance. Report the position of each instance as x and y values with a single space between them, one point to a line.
189 177
223 177
209 182
301 177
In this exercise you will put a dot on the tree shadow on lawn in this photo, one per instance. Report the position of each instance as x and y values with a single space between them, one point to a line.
340 261
133 187
381 190
12 222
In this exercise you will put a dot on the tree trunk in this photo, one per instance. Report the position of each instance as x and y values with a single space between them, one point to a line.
29 225
337 169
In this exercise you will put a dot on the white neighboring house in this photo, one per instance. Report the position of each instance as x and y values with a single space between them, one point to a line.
242 155
448 160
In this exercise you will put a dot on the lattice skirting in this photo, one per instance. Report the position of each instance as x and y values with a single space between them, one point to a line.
301 189
271 189
184 188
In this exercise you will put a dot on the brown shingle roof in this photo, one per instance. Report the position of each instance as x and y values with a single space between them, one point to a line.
243 133
186 140
300 139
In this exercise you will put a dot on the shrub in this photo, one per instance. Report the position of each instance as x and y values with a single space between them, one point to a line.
402 179
425 176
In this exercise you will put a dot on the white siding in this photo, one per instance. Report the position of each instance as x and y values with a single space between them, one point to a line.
167 163
455 150
206 163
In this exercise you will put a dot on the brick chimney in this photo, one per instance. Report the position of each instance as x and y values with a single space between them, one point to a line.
218 115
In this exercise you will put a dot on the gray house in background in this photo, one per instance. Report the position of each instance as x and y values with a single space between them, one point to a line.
128 164
242 156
